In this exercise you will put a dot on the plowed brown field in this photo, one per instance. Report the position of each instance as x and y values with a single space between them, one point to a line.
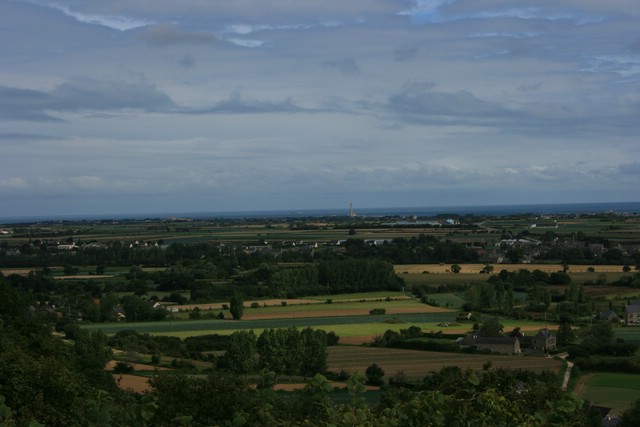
416 364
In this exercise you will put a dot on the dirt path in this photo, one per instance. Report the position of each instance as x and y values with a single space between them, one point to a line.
582 384
567 375
567 372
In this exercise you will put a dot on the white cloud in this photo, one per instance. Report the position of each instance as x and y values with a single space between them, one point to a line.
13 184
245 42
120 23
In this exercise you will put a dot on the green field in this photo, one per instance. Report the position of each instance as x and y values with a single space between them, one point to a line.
402 304
347 316
617 391
198 327
343 326
630 334
453 301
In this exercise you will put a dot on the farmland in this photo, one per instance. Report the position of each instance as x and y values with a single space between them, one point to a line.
609 389
174 280
416 364
352 328
477 268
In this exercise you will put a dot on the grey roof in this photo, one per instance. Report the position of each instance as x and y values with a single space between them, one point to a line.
632 308
544 333
608 313
496 340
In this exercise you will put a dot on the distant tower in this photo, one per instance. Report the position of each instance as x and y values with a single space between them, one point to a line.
351 212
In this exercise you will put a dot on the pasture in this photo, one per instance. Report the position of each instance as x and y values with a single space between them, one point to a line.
617 391
297 308
630 334
352 329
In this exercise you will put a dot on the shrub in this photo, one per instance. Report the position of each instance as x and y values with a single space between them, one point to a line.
377 311
122 368
374 375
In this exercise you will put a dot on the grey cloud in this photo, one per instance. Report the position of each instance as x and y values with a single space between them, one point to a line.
15 136
405 54
25 104
187 61
86 93
629 168
417 99
236 104
347 66
168 34
81 94
635 46
531 87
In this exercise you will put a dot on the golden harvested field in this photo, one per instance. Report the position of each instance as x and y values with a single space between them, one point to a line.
476 268
416 364
19 271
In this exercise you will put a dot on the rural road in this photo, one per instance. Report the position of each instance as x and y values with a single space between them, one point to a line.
567 373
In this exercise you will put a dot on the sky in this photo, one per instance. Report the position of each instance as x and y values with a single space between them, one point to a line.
146 106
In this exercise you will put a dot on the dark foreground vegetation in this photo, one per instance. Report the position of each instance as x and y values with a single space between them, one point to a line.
48 381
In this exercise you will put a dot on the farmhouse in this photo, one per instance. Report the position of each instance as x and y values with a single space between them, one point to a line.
632 313
505 345
544 340
609 316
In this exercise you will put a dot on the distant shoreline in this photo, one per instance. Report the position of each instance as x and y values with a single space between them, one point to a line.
490 210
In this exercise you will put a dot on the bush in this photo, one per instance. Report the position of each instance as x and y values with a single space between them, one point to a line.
122 368
374 375
332 338
377 311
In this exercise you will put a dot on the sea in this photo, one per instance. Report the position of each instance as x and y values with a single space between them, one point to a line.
622 208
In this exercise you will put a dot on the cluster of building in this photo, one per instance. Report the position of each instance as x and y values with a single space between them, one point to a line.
631 314
543 342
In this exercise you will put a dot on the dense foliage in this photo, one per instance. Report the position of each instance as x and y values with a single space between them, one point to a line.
46 380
